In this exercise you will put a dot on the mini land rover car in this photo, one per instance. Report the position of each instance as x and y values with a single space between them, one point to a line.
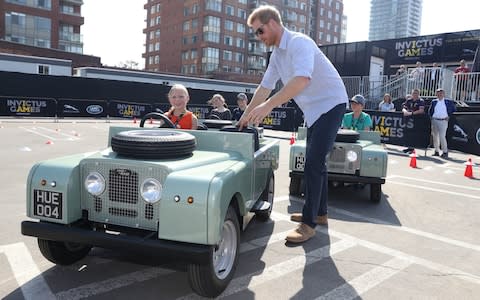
184 195
356 157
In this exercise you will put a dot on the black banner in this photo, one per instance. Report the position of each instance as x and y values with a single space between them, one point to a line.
280 118
121 109
397 129
82 108
464 133
28 107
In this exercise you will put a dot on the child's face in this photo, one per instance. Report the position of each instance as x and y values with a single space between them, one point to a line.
178 98
217 102
242 103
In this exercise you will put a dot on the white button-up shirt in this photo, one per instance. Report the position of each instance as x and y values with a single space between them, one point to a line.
298 55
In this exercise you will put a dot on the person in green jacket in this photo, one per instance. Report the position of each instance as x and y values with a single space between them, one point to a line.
357 119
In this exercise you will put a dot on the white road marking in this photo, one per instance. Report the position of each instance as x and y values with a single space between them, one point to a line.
434 189
38 133
70 136
111 284
389 251
26 272
397 227
363 283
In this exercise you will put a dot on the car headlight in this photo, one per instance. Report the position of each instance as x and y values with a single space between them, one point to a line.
151 190
95 183
352 156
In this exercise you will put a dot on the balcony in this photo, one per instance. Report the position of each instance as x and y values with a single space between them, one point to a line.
76 2
70 37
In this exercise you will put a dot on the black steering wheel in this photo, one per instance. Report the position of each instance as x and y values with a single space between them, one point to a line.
158 116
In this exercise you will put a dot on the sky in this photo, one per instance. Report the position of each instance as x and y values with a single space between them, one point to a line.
113 29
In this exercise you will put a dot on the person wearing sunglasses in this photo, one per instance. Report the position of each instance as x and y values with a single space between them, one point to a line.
311 80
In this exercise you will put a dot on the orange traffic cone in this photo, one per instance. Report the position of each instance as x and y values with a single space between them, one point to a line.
413 159
134 120
49 142
292 139
469 169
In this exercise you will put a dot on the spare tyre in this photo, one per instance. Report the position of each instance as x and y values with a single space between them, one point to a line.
153 144
347 136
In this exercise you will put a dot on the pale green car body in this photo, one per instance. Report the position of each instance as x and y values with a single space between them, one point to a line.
363 161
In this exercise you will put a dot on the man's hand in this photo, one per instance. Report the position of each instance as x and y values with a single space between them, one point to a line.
255 116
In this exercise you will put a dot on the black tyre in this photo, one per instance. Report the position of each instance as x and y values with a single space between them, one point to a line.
295 186
267 195
347 136
157 116
375 192
63 253
211 279
154 144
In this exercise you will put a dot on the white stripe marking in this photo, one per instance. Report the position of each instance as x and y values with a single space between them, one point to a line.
108 285
363 283
26 272
437 183
392 252
401 228
59 133
434 190
38 133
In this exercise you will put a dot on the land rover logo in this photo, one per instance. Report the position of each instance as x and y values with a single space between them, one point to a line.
94 109
478 136
123 172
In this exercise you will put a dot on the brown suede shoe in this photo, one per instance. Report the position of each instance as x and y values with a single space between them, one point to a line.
320 220
301 234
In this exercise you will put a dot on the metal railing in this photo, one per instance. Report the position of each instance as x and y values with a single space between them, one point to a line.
460 87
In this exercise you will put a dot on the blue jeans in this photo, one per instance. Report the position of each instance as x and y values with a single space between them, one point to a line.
320 139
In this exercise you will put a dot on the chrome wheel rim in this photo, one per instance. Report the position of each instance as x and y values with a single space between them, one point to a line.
224 255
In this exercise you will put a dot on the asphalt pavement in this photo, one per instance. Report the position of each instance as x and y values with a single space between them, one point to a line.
422 241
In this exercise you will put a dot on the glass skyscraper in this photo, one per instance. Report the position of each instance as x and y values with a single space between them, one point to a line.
391 19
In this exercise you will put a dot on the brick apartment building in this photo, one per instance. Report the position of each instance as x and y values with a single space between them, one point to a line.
210 38
44 28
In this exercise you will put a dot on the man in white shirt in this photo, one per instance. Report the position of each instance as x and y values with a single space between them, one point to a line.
315 85
440 111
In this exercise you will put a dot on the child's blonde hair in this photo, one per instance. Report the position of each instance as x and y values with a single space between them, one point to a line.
177 86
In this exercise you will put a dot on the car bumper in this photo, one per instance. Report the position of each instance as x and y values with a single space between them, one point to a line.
192 253
347 178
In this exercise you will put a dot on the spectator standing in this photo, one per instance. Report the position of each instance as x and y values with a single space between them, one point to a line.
433 78
462 80
401 71
413 106
440 111
313 82
242 101
357 119
220 109
386 104
179 115
418 74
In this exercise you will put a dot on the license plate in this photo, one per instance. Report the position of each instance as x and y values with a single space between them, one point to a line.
299 162
47 204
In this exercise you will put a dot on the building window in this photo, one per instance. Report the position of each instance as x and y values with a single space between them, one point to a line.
242 1
210 59
157 59
186 26
157 33
211 29
240 43
228 40
242 13
157 46
227 55
240 27
193 53
158 20
43 69
239 57
185 11
229 10
194 23
228 25
215 5
195 9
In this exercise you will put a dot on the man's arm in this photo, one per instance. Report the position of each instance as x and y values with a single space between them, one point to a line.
258 109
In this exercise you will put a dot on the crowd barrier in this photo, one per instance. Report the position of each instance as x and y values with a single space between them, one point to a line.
463 133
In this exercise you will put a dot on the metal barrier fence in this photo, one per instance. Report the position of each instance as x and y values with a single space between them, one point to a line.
459 87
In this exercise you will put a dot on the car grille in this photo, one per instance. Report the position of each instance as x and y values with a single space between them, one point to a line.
337 161
121 202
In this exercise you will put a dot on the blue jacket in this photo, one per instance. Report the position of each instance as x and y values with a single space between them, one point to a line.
448 103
